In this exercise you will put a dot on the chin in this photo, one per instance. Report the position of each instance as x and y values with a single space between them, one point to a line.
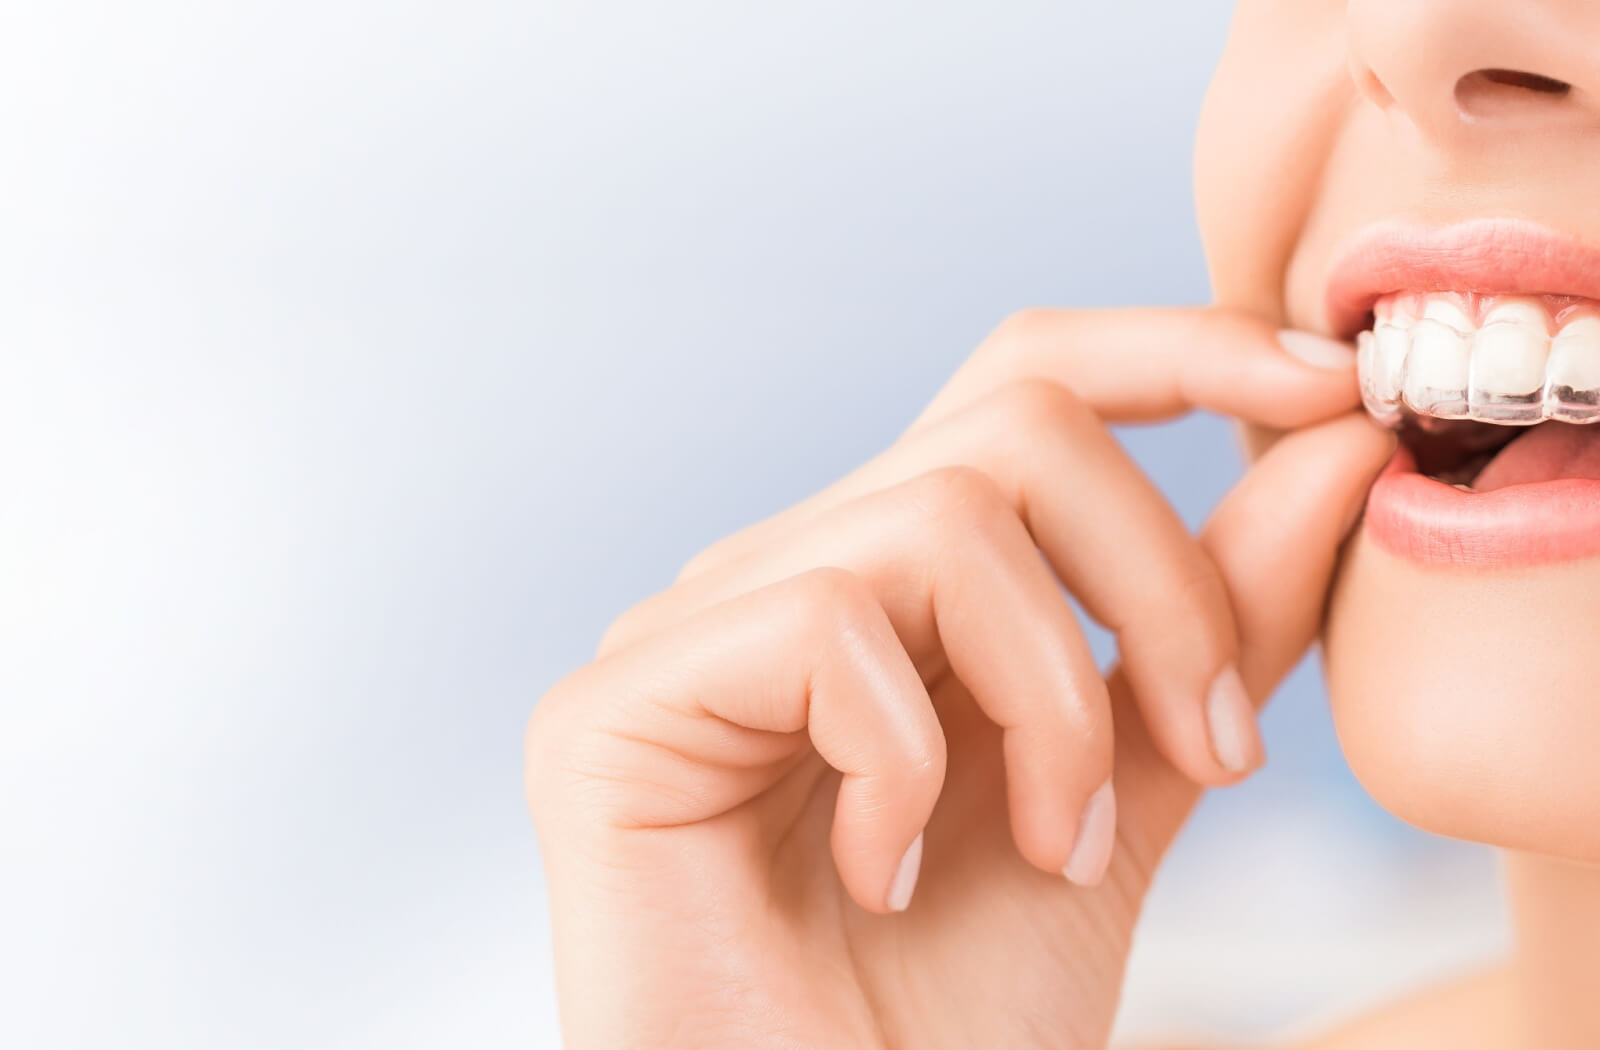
1463 682
1459 250
1467 699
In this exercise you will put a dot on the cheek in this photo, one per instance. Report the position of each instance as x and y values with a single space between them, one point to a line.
1469 705
1274 112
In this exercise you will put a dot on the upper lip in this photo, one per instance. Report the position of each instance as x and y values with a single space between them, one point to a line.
1489 256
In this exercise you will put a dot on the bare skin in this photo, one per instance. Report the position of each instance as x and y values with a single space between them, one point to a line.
854 781
1363 112
726 796
1478 1011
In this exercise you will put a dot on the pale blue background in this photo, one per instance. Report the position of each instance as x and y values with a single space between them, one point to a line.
359 361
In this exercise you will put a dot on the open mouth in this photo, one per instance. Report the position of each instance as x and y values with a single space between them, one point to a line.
1480 345
1487 390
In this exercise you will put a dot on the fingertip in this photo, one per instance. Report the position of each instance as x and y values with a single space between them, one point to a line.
1095 838
1052 774
1317 351
1232 726
1279 378
1335 461
1205 738
879 884
1178 670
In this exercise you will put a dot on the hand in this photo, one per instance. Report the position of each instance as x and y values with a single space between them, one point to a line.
888 675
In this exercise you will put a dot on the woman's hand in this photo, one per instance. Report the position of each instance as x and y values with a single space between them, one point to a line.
884 689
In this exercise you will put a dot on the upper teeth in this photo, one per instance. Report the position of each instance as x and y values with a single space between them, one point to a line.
1427 353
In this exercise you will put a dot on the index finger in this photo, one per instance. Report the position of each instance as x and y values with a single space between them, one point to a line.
1148 364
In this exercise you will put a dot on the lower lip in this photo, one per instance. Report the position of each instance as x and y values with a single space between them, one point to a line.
1415 517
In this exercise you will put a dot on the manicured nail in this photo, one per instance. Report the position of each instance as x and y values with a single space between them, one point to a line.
1317 351
1097 834
1231 720
905 876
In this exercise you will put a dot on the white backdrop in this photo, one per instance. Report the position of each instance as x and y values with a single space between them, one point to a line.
359 361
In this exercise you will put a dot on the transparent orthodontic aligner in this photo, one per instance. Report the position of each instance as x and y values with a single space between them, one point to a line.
1507 371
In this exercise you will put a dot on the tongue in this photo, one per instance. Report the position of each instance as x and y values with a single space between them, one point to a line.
1545 453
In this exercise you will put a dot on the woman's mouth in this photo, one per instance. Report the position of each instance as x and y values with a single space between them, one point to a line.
1490 384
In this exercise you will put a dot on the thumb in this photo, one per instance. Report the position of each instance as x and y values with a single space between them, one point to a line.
1275 540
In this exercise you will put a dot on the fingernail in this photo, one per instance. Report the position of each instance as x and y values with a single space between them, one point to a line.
1231 720
1097 834
905 876
1317 351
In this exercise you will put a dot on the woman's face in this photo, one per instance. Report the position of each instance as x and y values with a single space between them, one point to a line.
1348 154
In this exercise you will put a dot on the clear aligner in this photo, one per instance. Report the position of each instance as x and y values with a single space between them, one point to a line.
1507 360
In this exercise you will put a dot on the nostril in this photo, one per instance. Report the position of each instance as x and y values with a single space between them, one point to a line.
1516 78
1491 92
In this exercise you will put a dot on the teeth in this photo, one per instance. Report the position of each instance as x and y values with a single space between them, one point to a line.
1516 311
1572 375
1502 367
1448 312
1437 369
1508 363
1390 345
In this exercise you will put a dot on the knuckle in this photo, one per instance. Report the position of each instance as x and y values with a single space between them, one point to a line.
1203 590
1087 735
631 625
617 634
832 598
1092 723
1034 405
1202 583
1189 612
542 722
1191 582
543 745
1024 325
574 767
843 621
723 551
705 559
924 761
960 497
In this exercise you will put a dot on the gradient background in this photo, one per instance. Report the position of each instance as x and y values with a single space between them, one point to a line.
359 362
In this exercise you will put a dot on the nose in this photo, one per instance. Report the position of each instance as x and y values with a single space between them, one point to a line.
1462 68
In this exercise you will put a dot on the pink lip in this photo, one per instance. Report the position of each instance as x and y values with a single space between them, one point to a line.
1413 516
1492 256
